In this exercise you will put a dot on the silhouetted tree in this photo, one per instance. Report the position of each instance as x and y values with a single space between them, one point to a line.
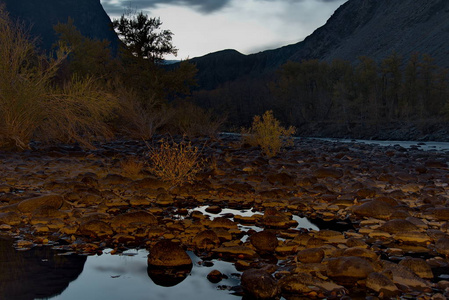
144 38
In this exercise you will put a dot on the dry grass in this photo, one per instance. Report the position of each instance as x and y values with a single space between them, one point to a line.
132 167
267 132
177 163
193 121
32 106
141 120
79 111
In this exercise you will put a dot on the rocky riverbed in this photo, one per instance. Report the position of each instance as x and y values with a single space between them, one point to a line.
392 203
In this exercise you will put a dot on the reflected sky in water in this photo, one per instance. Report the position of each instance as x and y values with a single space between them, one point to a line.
125 277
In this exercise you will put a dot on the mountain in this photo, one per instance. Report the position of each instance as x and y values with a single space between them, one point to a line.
373 28
88 15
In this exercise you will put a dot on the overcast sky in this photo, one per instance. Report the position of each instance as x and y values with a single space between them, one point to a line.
248 26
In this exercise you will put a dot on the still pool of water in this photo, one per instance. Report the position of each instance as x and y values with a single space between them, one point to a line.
125 276
44 273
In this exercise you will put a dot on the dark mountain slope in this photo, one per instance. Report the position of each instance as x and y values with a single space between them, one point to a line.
373 28
376 28
88 15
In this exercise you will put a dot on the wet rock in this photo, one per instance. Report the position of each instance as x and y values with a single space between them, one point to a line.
216 276
275 219
222 222
206 240
46 211
95 228
404 276
264 241
349 269
441 213
236 251
138 218
398 225
442 246
374 209
166 253
419 266
311 255
259 284
360 252
164 199
330 236
10 218
299 283
412 237
214 209
30 205
382 284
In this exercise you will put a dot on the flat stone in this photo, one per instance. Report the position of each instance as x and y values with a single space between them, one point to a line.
52 200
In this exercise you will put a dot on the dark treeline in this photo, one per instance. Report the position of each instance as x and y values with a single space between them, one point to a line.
366 93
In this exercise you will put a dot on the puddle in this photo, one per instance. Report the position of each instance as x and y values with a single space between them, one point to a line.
45 273
126 276
302 222
41 273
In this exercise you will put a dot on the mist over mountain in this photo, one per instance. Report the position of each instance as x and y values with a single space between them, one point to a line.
373 28
88 15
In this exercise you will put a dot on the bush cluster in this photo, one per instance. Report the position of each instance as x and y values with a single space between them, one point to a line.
176 163
267 132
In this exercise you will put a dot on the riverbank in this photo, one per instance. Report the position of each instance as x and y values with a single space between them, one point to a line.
394 131
393 200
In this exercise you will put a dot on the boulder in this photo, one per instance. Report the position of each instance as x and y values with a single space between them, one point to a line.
382 284
10 218
374 209
404 276
50 200
264 241
398 225
95 228
419 266
311 255
349 269
206 240
166 253
259 284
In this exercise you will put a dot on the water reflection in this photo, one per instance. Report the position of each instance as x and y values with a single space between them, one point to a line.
168 277
126 276
37 273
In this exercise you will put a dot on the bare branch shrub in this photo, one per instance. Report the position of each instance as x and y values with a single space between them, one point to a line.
192 120
141 120
177 163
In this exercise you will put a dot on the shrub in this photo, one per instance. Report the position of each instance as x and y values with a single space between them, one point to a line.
140 119
132 167
24 80
31 105
177 163
267 133
192 120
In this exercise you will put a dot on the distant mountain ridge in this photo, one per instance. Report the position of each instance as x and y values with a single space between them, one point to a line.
88 15
373 28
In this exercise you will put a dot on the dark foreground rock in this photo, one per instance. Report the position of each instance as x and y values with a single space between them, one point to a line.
383 213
